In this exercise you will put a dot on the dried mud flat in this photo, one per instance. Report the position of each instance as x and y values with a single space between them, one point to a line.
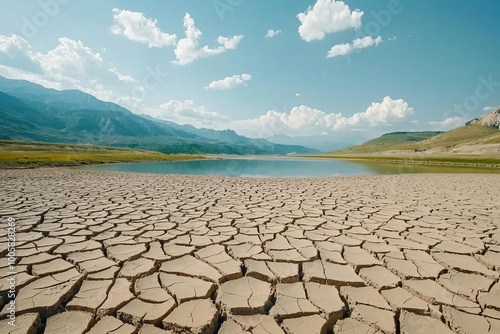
125 253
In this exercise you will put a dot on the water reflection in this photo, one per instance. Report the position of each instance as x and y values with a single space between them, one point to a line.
282 167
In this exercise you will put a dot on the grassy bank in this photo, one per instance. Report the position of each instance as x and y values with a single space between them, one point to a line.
15 154
488 161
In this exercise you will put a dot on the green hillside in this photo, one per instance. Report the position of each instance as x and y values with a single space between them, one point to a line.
15 154
465 135
469 135
388 142
472 145
30 112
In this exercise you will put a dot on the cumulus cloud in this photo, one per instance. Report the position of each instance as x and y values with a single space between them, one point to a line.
16 52
382 112
304 120
64 62
13 44
187 108
230 82
357 44
340 50
188 49
327 16
449 123
138 28
271 33
70 65
69 60
186 112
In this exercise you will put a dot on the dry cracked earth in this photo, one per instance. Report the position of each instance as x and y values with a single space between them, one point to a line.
130 253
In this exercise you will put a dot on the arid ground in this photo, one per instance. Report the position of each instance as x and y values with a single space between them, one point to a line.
103 252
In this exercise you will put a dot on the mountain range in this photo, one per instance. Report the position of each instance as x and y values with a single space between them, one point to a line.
31 112
324 143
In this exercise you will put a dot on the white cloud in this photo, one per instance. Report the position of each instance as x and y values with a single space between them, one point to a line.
271 33
66 61
13 44
16 52
230 82
327 16
188 49
340 50
18 74
70 65
305 121
298 94
487 108
228 43
393 38
186 112
449 123
69 60
187 108
361 43
139 28
357 44
382 112
121 77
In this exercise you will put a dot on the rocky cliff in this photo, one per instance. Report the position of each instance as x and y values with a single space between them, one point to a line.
490 119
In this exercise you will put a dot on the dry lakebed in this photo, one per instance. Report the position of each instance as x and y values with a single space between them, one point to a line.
122 253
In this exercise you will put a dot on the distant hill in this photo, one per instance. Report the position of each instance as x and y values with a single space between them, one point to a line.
389 141
30 112
480 136
474 138
324 143
217 136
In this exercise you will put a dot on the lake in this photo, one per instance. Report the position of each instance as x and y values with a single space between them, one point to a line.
279 167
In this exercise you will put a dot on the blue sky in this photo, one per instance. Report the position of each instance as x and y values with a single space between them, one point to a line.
328 67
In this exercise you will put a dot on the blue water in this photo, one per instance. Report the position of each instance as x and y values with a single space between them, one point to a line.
261 167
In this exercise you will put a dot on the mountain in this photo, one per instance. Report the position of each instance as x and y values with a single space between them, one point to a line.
41 121
324 143
31 112
37 95
222 136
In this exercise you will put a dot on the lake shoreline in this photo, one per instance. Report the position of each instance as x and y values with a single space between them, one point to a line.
30 155
280 167
15 166
403 160
425 163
